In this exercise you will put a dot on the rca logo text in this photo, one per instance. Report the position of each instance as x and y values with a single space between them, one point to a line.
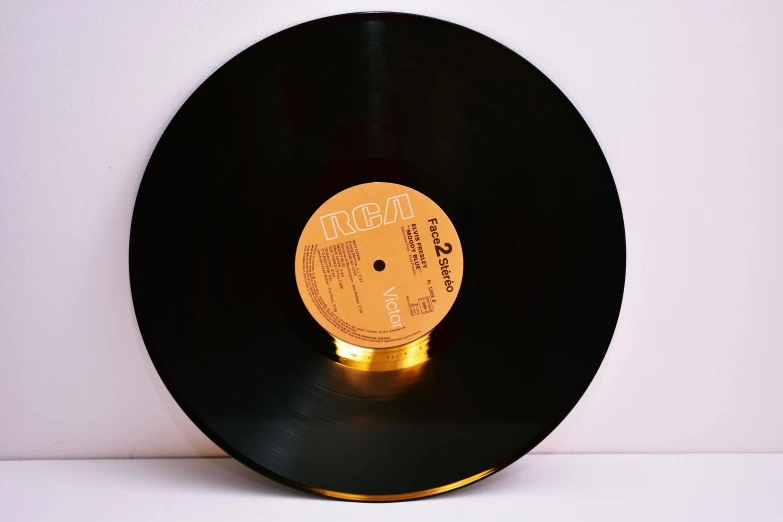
366 217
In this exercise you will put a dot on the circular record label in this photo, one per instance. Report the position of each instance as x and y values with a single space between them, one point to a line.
379 265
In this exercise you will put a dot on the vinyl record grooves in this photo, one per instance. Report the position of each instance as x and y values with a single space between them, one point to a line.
326 128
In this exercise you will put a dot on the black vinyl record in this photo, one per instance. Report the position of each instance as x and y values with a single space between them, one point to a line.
345 101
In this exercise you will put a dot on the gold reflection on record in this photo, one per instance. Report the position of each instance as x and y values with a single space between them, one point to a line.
382 359
405 496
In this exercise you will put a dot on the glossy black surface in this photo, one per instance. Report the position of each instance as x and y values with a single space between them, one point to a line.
352 99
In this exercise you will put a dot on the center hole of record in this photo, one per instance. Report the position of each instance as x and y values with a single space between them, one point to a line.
379 265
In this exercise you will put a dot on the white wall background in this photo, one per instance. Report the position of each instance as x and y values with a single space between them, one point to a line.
685 97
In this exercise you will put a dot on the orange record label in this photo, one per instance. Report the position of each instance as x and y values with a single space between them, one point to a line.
379 265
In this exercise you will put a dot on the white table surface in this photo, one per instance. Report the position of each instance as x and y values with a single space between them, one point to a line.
536 488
